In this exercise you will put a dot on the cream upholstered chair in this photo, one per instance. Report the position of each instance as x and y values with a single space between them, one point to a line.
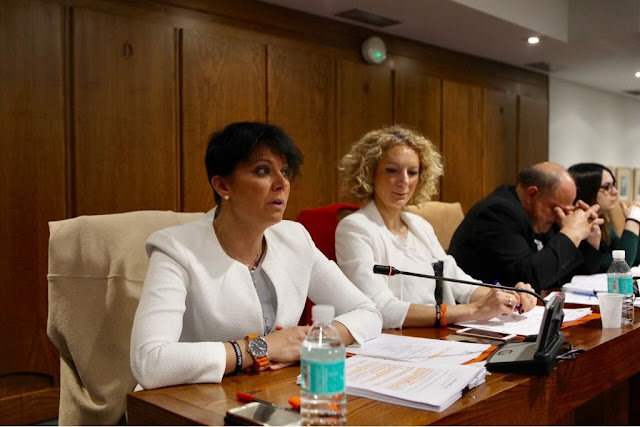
96 268
444 218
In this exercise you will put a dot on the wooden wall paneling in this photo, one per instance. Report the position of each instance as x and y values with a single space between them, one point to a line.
223 81
500 139
462 143
125 130
301 99
440 63
365 102
418 101
533 131
32 192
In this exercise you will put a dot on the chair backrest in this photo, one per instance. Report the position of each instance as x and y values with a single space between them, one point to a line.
444 218
96 268
321 224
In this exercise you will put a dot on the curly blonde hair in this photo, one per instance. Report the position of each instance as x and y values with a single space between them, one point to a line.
359 166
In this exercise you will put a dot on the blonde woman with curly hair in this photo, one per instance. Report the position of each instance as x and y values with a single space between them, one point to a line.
386 170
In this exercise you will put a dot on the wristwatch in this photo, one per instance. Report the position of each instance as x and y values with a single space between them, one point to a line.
257 348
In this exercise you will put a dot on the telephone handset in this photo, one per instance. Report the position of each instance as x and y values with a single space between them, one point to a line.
539 357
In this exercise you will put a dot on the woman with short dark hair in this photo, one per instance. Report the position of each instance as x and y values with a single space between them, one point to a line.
225 292
596 184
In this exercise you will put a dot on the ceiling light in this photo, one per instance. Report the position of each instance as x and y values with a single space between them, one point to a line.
638 74
533 40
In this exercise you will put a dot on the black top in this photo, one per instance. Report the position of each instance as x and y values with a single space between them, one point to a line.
495 241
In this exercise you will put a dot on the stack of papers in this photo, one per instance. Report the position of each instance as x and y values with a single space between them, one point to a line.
524 324
420 373
584 289
419 350
433 386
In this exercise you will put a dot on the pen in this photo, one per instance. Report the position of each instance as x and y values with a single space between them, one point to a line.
518 307
586 292
246 397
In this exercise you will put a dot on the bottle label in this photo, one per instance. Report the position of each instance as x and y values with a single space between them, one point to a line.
322 377
620 285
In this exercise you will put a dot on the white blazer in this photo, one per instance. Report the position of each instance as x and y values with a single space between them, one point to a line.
363 240
195 297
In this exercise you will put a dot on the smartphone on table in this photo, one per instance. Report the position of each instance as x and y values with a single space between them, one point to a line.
261 414
479 333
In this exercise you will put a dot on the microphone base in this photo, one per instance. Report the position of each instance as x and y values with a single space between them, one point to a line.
522 357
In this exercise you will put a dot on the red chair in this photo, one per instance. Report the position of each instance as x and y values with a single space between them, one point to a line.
321 224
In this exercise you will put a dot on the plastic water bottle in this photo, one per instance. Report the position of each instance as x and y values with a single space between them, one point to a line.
620 280
323 399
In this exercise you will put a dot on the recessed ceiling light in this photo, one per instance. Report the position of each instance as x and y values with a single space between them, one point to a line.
533 40
638 74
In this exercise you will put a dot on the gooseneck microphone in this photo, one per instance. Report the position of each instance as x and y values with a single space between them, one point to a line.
388 270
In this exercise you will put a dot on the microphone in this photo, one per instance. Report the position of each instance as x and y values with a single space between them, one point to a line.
388 270
537 357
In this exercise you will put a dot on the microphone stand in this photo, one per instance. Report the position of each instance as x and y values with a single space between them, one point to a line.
388 270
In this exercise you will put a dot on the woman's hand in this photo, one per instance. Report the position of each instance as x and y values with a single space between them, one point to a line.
494 303
284 345
527 302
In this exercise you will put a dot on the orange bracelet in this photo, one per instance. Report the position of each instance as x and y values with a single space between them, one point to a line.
443 321
441 311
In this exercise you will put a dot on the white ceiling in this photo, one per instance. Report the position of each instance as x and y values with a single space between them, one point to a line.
591 42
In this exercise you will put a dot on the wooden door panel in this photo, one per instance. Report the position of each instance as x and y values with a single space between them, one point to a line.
462 143
533 131
418 101
32 175
32 192
365 101
222 82
301 94
124 114
500 139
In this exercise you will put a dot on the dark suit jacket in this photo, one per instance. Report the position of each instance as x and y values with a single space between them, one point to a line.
495 241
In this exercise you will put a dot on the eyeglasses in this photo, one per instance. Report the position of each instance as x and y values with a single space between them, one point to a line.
608 186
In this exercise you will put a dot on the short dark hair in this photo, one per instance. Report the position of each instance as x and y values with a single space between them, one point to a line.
588 177
236 142
534 176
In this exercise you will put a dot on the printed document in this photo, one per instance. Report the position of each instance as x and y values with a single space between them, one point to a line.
431 386
524 324
417 350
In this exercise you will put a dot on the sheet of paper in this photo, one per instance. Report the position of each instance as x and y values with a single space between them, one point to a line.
583 289
587 284
524 324
432 387
572 298
413 349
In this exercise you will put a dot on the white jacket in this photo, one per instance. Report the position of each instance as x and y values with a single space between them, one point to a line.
195 297
362 240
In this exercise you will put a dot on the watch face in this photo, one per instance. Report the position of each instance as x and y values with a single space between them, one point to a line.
258 347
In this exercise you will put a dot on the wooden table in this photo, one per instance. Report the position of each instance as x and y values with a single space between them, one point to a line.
605 373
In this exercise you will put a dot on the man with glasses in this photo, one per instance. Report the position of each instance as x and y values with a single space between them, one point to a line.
531 232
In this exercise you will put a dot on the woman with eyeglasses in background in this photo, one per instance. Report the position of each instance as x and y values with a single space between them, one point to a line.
596 184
